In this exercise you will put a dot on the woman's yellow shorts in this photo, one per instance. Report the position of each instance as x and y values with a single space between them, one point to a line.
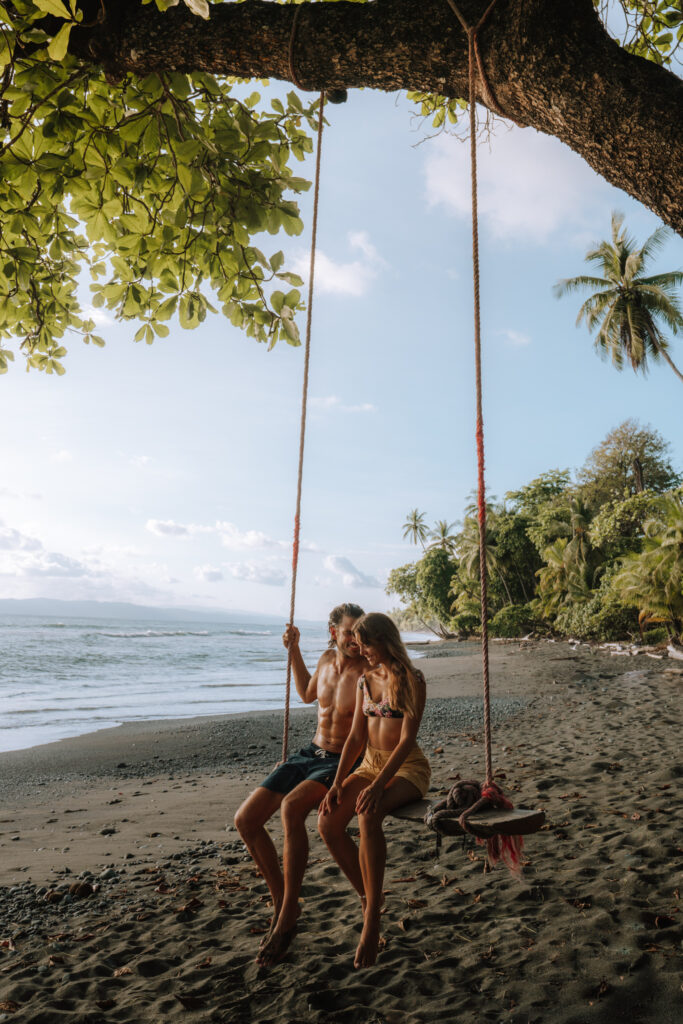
415 768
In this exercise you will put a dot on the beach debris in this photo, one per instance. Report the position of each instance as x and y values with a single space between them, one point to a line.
7 944
81 890
191 907
675 652
9 1006
122 972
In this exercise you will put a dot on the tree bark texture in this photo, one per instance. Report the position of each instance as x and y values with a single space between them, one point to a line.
550 65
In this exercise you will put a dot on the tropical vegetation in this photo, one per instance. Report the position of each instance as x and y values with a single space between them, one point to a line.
629 308
598 556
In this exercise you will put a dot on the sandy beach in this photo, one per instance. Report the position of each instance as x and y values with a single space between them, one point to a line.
126 894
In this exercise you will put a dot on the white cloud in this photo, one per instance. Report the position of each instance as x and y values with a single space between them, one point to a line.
232 537
53 563
334 402
208 573
62 456
14 540
338 278
229 534
251 572
167 528
8 492
22 555
351 576
100 316
517 338
140 460
530 185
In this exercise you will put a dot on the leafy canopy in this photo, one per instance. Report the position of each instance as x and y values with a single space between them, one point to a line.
156 187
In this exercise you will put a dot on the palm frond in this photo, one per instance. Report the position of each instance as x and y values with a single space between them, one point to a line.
573 284
655 243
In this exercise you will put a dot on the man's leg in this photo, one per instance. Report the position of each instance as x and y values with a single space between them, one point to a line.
250 822
295 808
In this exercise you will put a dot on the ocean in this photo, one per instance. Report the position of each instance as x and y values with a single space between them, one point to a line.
63 677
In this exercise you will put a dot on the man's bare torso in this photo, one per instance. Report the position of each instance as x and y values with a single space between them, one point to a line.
336 693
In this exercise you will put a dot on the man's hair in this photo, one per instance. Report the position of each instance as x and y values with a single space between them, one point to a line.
354 611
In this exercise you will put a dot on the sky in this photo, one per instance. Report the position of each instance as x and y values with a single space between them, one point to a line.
166 474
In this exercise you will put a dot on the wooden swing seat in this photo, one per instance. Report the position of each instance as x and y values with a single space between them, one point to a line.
484 824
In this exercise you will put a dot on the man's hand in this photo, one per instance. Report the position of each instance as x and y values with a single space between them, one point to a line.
291 636
331 799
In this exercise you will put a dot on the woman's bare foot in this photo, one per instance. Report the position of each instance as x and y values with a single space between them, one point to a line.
271 928
366 954
278 941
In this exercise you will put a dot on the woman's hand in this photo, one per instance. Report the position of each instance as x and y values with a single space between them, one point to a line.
367 801
330 800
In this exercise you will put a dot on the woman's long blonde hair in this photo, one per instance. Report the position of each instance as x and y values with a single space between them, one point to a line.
407 691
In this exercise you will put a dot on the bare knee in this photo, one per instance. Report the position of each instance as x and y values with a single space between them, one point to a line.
253 814
370 823
293 812
330 826
244 820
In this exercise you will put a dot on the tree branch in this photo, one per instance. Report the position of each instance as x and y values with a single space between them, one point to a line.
551 66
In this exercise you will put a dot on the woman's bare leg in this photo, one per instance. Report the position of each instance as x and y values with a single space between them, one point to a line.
372 858
332 828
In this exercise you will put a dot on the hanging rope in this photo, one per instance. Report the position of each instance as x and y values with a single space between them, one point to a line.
304 405
474 64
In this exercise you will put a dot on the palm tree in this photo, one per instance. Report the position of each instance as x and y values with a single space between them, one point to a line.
628 308
442 537
467 544
415 528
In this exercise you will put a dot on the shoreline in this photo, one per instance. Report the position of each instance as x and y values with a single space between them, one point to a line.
178 908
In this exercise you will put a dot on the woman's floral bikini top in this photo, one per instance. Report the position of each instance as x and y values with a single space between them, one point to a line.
374 709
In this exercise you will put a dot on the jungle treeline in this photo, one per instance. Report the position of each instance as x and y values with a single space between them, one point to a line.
597 555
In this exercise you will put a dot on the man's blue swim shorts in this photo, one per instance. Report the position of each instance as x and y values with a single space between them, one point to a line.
311 764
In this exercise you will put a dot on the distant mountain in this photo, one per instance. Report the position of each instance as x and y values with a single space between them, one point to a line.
49 607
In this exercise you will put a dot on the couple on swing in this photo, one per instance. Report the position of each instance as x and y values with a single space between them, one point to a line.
363 760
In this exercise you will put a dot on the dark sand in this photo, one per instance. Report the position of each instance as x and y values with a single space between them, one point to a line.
591 932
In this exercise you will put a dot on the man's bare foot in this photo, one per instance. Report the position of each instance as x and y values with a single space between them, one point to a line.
366 954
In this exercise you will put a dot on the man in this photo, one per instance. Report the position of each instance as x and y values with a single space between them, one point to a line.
297 785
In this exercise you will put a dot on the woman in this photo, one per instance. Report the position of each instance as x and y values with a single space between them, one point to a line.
394 771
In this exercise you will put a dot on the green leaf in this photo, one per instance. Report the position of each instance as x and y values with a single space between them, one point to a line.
58 46
55 7
290 278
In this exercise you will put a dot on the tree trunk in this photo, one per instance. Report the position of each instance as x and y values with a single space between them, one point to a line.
550 65
665 355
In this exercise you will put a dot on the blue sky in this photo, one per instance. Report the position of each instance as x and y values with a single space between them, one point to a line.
165 474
